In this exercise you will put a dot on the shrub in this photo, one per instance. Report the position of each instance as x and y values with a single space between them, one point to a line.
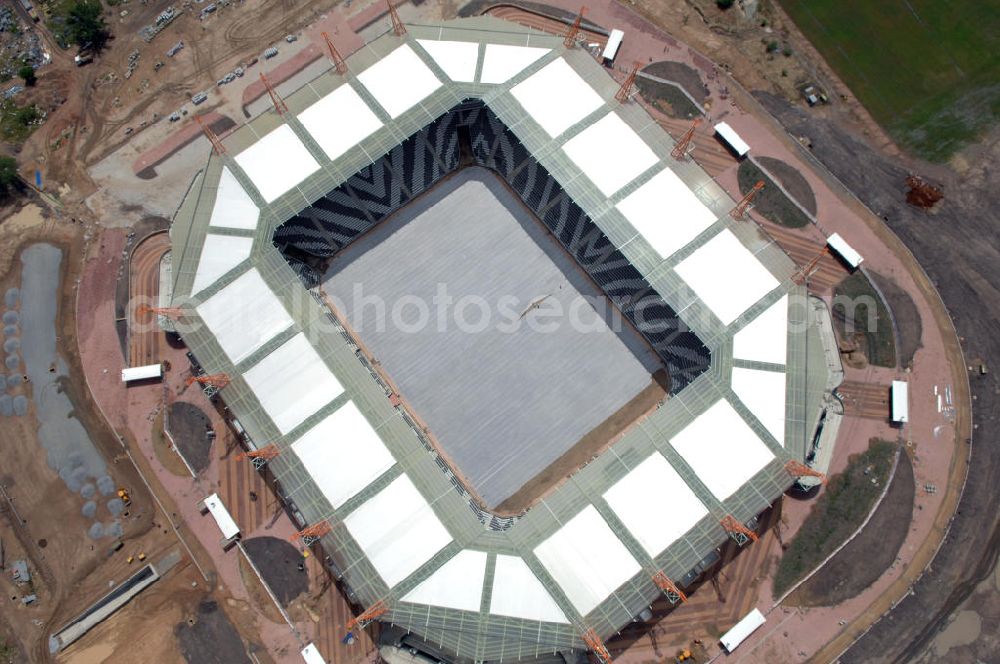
725 4
9 180
27 72
81 23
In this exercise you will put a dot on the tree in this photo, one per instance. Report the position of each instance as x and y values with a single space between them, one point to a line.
26 115
725 4
9 179
27 72
85 26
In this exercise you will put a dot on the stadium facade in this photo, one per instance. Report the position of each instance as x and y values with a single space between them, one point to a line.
718 303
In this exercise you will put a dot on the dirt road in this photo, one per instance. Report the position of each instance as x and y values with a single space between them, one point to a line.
100 103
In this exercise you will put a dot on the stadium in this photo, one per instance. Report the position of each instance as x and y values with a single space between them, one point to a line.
495 495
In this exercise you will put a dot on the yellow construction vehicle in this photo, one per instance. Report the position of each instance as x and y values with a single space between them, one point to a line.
123 494
683 656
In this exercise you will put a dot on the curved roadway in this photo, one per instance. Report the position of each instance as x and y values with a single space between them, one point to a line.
959 249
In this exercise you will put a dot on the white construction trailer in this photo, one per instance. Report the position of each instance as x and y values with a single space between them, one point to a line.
900 402
846 252
148 372
741 630
611 48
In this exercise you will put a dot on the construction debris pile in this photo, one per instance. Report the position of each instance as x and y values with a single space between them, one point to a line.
165 18
19 45
922 194
133 62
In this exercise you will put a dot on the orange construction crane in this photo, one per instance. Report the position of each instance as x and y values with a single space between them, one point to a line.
213 138
368 616
673 593
597 646
807 270
397 26
279 104
680 150
218 381
574 29
311 535
338 60
170 312
260 456
737 530
798 469
625 91
744 204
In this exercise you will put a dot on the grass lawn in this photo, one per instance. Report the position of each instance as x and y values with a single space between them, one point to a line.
770 202
668 98
17 122
928 71
856 294
838 512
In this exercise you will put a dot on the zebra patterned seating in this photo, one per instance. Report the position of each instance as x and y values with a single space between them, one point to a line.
415 165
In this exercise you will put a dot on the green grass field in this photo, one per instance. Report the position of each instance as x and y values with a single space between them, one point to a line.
927 70
856 292
837 513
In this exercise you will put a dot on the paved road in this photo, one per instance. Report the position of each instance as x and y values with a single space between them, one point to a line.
959 248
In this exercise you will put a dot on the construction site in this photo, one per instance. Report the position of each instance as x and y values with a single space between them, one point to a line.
466 339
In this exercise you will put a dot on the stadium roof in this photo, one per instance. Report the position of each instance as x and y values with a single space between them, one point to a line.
405 531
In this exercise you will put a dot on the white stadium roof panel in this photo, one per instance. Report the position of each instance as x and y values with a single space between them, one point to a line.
219 254
610 153
457 59
277 162
587 560
292 383
502 62
666 213
343 454
397 530
722 449
763 392
458 584
639 497
557 97
518 593
765 338
233 206
726 276
399 81
339 121
244 315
